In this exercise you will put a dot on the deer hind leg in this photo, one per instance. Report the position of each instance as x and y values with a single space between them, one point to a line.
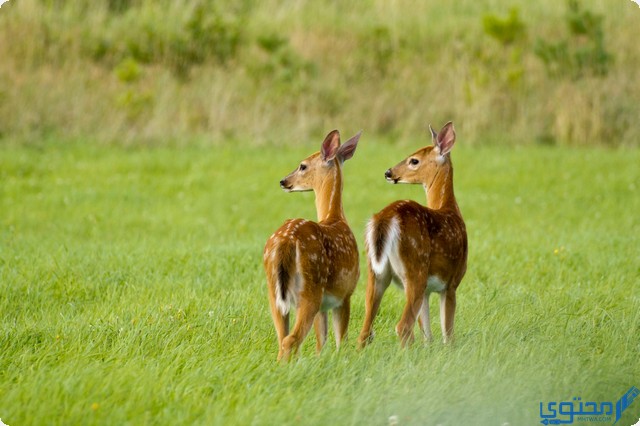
423 318
320 326
447 314
414 290
308 308
341 320
280 320
376 286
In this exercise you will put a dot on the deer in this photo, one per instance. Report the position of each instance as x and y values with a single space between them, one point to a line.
422 249
314 266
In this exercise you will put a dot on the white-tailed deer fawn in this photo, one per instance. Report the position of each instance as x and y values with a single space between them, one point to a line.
423 249
314 265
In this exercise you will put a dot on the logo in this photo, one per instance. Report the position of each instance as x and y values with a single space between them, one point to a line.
566 412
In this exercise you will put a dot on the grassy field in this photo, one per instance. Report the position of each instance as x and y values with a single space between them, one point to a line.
133 291
151 71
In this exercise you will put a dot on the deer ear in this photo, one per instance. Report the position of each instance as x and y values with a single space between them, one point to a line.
347 150
446 138
330 146
434 135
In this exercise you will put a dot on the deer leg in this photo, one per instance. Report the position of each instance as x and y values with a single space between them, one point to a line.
414 290
447 313
308 308
341 320
280 321
423 318
376 286
320 326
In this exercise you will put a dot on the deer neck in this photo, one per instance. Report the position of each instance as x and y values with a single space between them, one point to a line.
440 190
329 196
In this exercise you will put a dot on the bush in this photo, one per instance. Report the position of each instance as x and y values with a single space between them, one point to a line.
580 54
505 30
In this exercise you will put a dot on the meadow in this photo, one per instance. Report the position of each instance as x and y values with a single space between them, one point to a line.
133 291
141 146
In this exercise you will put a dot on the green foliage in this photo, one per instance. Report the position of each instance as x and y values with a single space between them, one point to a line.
141 32
119 6
507 30
128 71
272 43
504 65
583 53
133 291
210 33
280 63
272 71
134 103
380 46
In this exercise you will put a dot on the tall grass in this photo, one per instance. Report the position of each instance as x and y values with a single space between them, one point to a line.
159 72
132 290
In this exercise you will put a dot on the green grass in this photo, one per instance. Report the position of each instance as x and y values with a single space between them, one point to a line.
132 290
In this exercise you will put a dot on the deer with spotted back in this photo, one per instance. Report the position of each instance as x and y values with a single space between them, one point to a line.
422 249
313 266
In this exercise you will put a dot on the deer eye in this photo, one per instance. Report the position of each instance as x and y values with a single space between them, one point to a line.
303 167
414 161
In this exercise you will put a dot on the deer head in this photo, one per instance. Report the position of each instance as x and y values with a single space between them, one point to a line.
423 165
315 169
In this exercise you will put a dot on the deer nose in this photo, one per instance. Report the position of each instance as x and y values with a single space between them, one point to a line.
387 174
282 183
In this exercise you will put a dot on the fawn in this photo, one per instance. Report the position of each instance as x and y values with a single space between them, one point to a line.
423 249
314 265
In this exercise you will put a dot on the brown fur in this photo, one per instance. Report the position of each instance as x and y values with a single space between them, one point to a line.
324 263
432 241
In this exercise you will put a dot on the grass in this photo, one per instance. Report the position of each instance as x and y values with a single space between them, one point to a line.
133 292
144 72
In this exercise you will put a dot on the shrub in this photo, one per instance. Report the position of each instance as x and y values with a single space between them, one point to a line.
505 30
580 54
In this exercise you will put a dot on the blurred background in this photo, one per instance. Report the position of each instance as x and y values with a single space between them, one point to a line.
163 72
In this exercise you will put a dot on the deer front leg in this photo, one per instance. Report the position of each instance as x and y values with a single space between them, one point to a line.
341 320
447 314
376 286
308 307
414 290
320 326
280 321
423 318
